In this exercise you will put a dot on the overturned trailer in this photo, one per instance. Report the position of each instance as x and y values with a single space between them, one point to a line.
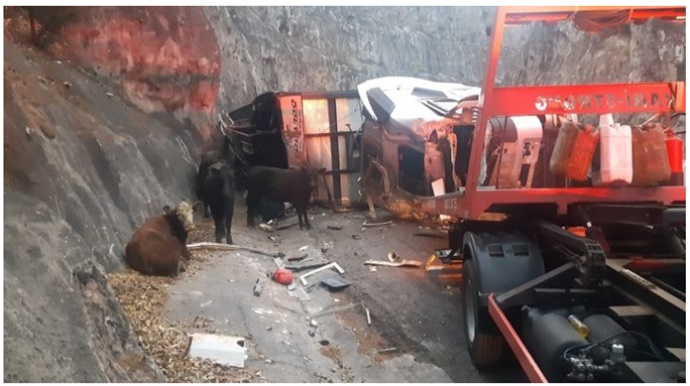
585 278
300 129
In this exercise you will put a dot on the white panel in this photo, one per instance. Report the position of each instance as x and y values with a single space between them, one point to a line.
349 113
318 148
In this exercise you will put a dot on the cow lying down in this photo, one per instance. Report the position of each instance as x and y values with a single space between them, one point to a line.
159 246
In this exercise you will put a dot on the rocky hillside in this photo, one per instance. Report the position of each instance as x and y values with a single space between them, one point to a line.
335 48
83 167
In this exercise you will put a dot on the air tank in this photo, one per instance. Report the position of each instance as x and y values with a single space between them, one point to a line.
547 336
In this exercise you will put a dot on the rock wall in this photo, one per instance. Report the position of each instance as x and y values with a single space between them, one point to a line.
83 168
335 48
166 59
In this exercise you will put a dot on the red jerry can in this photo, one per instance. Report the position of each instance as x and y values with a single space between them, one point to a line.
650 155
574 150
283 276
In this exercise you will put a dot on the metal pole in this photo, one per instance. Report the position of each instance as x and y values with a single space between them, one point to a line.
477 151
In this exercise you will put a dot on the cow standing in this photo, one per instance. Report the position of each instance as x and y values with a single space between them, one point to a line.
209 158
279 185
159 246
219 193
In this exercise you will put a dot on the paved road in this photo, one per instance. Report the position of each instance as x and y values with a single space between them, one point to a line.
410 309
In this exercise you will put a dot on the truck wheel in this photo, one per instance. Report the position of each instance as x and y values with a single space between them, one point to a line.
485 348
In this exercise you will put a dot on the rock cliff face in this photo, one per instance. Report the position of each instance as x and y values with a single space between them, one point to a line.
104 138
83 168
335 48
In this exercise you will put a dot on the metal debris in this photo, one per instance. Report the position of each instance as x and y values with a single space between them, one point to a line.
392 256
258 287
325 267
227 247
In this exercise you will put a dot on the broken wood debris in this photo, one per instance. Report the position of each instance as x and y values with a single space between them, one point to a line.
258 287
368 316
325 267
387 350
376 224
297 258
403 263
303 266
206 245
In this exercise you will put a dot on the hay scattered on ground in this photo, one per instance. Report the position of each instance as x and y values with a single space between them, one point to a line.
143 299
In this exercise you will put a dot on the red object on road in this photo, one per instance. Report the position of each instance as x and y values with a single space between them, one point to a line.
674 148
283 276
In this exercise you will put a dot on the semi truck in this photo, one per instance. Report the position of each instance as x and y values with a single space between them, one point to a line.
568 204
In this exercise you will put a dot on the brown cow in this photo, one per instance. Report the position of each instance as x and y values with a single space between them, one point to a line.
159 246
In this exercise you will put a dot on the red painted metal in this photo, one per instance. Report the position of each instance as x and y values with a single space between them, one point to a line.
486 197
524 357
519 15
649 98
674 148
582 99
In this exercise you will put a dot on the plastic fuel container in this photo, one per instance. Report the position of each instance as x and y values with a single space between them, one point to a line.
616 154
650 157
574 150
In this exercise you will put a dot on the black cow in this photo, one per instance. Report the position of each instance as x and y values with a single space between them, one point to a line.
219 194
279 185
207 159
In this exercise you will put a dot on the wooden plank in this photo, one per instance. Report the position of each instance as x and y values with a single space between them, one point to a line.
403 263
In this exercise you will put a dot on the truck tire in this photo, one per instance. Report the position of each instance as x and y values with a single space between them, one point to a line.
485 348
